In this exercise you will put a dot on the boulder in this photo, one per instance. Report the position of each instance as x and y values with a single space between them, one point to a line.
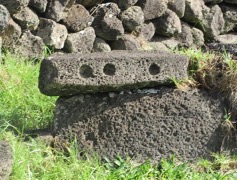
152 8
132 17
89 3
154 46
58 9
5 17
30 46
14 6
212 1
230 16
39 5
126 42
231 1
125 4
143 124
106 23
70 74
227 38
78 18
52 33
6 160
100 45
168 24
81 41
178 6
26 18
198 37
146 30
171 43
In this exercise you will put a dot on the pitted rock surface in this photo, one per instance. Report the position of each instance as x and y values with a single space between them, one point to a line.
66 75
148 123
6 160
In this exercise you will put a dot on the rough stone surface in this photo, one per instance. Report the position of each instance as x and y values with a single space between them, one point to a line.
6 160
230 16
113 71
52 33
78 18
11 35
198 37
227 38
30 46
212 1
14 6
58 9
152 8
89 3
178 6
126 42
231 1
106 23
39 5
4 17
168 24
81 41
154 46
146 30
171 43
132 17
26 18
222 48
125 4
148 123
101 46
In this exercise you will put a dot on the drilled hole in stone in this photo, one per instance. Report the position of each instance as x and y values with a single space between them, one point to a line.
86 71
109 69
154 69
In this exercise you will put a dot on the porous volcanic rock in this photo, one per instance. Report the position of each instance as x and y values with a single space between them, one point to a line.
178 6
124 4
231 1
39 5
6 160
70 74
126 42
230 38
14 6
5 17
230 16
89 3
143 124
146 30
101 46
212 1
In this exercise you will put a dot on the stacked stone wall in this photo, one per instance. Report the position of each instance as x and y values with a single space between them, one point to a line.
85 26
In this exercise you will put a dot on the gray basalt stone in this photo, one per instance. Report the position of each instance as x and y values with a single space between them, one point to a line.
126 42
106 23
146 30
125 4
227 38
4 17
14 6
26 18
78 18
58 9
52 33
230 16
39 5
30 46
152 8
81 41
66 75
132 17
231 1
170 42
178 6
89 3
212 1
143 124
101 46
6 160
168 24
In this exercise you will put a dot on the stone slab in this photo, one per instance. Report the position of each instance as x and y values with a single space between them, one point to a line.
65 75
147 123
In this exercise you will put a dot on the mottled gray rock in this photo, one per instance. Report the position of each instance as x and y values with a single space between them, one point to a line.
126 42
125 4
198 37
112 71
78 18
152 8
58 9
230 16
178 6
10 35
212 1
14 6
132 17
26 18
4 17
30 46
39 5
171 43
6 160
52 33
222 48
154 46
106 23
168 24
227 38
81 41
0 48
231 1
146 30
101 46
89 3
144 124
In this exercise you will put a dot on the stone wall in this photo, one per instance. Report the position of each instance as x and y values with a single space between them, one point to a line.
26 26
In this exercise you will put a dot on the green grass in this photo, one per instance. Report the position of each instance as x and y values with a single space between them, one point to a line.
23 107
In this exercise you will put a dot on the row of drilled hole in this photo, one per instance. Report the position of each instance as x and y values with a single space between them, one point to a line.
109 69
